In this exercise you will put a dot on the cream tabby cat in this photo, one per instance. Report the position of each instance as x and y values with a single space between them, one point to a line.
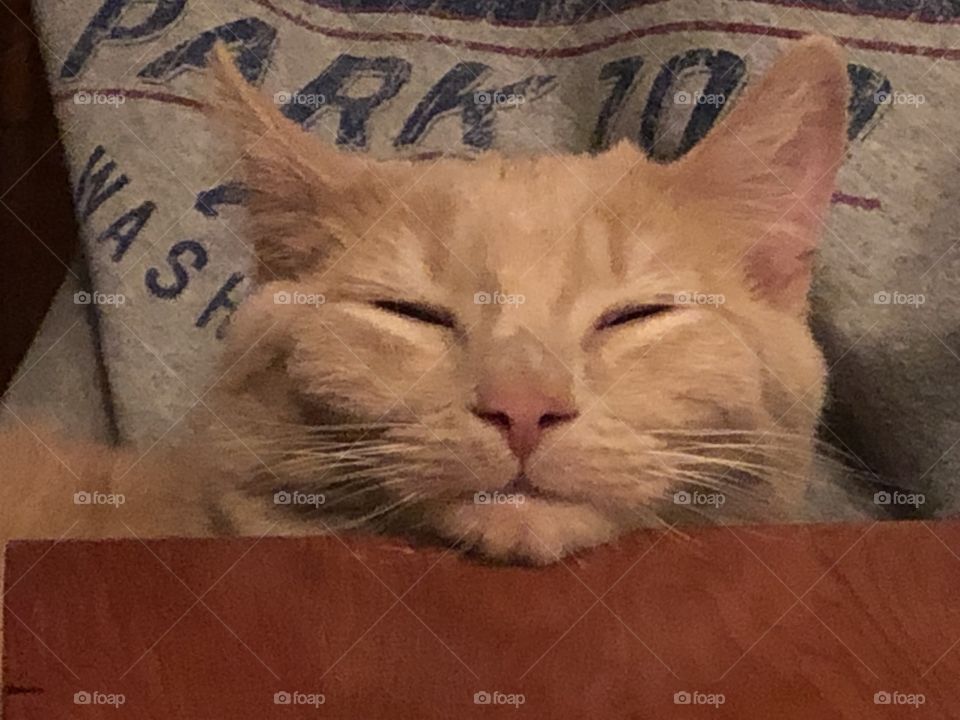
520 327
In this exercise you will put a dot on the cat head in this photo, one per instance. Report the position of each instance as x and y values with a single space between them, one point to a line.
529 355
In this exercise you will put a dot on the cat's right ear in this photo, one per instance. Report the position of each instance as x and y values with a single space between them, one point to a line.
301 193
770 165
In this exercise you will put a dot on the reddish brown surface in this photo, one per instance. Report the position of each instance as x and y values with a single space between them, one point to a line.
786 622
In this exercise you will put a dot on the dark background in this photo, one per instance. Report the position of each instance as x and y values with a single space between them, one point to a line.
38 235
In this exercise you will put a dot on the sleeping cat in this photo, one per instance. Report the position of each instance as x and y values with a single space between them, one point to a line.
521 356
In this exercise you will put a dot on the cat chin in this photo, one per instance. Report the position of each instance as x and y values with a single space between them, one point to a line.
536 531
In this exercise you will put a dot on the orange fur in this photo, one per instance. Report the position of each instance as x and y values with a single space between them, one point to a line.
372 408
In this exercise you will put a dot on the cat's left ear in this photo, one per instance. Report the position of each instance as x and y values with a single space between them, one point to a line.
771 165
304 196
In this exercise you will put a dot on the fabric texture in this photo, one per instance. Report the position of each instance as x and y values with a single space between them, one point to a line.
163 230
60 381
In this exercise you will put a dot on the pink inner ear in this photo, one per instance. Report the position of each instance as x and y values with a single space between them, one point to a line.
772 163
779 274
780 263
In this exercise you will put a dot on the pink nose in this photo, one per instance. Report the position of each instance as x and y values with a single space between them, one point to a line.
522 414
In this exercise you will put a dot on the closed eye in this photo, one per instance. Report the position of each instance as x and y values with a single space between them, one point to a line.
631 313
430 314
